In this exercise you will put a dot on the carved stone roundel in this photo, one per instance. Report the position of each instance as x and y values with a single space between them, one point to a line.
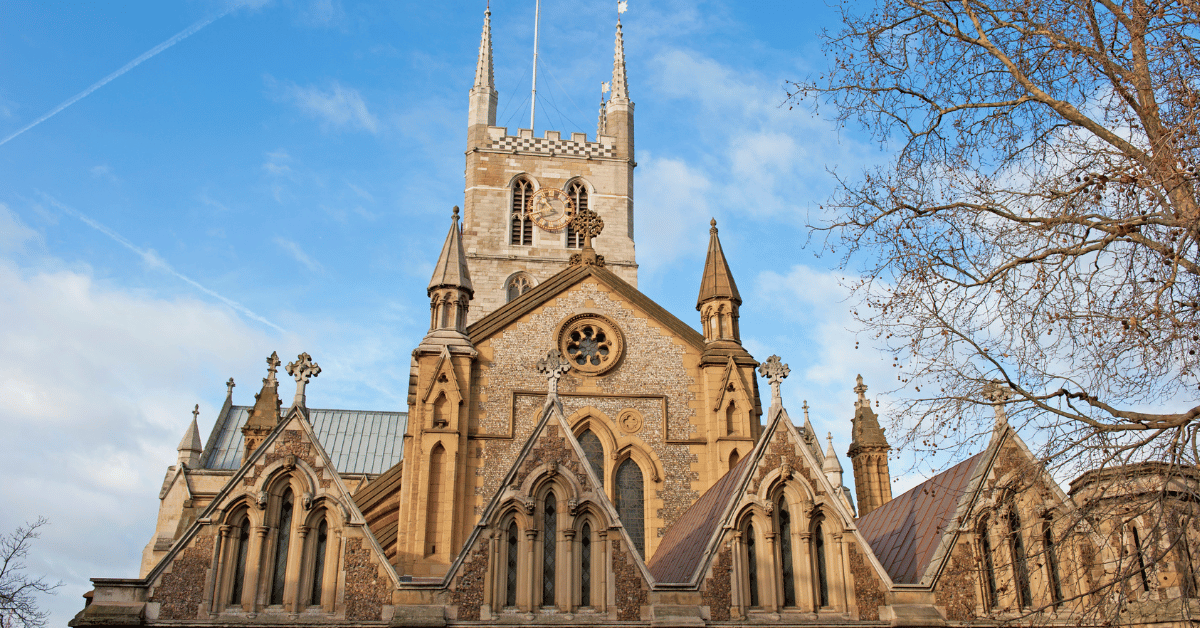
630 421
591 343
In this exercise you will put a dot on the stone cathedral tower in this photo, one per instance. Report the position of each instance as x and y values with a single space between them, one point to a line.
520 190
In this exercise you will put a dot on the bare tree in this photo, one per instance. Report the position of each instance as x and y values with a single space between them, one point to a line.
18 591
1037 227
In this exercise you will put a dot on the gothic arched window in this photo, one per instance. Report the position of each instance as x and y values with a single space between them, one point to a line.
241 546
593 449
434 502
282 541
510 583
1020 567
522 205
991 592
1052 564
733 459
320 546
785 554
630 503
585 564
751 565
579 196
731 418
549 545
822 572
518 284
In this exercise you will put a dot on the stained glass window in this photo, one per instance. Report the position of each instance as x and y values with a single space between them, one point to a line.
785 555
319 561
585 566
752 565
549 538
989 568
594 450
822 576
1052 564
239 569
283 538
510 590
630 506
1020 568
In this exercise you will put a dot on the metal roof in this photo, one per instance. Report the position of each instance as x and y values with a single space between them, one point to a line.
905 532
357 441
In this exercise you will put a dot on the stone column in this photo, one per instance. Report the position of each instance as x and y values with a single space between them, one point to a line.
601 586
806 579
566 594
297 566
529 602
773 566
490 577
215 593
737 553
837 597
250 588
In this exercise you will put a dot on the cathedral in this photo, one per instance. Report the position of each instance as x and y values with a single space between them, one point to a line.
574 454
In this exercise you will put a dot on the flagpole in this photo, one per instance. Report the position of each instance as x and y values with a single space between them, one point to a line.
537 9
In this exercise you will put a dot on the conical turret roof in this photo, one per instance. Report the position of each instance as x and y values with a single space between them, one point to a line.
191 438
451 270
717 282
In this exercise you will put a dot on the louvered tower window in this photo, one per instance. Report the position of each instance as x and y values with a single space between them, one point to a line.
549 545
283 539
594 451
522 205
630 506
579 195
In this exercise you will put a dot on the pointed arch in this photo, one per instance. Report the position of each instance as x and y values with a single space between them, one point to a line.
593 450
521 205
991 591
820 563
518 284
577 189
283 541
630 491
433 510
734 458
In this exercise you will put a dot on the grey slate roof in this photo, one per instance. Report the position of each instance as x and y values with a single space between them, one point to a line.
356 441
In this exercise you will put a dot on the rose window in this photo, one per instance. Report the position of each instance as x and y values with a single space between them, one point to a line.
591 343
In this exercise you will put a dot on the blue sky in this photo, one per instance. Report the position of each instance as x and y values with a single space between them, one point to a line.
281 180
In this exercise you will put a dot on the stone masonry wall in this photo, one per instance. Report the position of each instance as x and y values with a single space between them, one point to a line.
181 591
468 589
956 586
868 589
717 594
654 364
366 590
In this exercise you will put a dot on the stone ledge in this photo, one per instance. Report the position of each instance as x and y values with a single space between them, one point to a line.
912 615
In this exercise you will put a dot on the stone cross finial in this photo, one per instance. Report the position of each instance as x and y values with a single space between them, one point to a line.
998 394
712 226
588 224
553 367
302 369
861 389
273 363
229 387
805 407
196 412
829 437
775 371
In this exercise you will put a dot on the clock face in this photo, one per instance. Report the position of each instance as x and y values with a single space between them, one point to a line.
552 209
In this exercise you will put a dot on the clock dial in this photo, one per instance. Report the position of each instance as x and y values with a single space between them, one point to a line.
552 209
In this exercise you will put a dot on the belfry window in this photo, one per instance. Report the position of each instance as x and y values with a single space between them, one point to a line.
579 198
522 206
594 451
282 540
630 506
785 554
549 545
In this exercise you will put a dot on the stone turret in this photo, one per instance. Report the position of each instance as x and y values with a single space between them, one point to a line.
869 455
190 446
264 416
718 302
450 293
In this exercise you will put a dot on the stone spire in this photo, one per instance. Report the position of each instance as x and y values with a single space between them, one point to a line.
717 282
620 85
831 467
190 446
264 416
484 76
869 455
450 294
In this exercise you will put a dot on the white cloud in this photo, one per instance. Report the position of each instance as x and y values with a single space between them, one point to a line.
339 107
672 203
103 171
13 233
298 254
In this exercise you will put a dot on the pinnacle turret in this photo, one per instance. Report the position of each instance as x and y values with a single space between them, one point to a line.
620 84
189 446
869 455
451 269
484 74
482 109
450 294
717 282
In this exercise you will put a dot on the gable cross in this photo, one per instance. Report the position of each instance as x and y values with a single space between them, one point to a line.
302 369
775 371
553 367
998 394
588 224
196 413
229 387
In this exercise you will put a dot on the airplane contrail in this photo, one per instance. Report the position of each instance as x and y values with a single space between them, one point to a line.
152 258
180 36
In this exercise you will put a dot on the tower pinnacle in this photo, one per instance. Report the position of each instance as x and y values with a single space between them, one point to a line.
484 74
620 85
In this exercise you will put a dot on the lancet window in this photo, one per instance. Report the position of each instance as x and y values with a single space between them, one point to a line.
512 554
991 591
785 553
522 206
549 549
751 565
1020 565
820 566
579 197
283 537
1141 560
239 549
630 503
320 546
585 565
593 449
